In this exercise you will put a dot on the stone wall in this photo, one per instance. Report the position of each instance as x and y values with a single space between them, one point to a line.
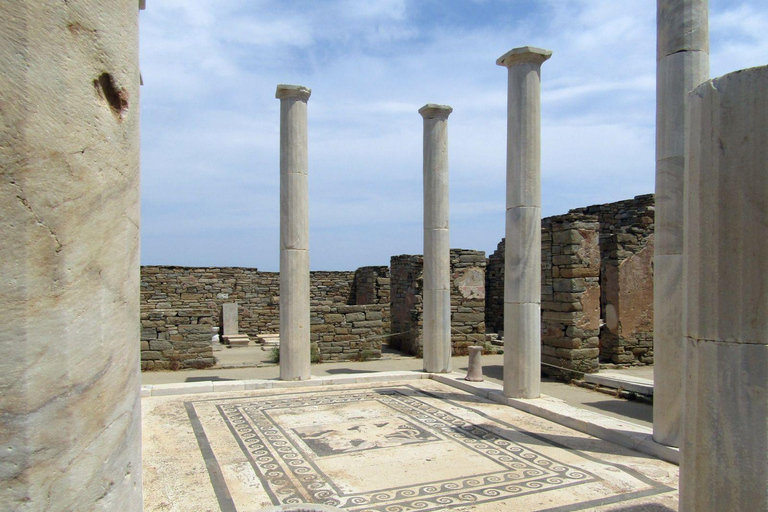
625 276
467 301
348 332
371 285
180 306
626 279
570 294
406 308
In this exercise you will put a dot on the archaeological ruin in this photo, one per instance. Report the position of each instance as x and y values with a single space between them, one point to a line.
677 279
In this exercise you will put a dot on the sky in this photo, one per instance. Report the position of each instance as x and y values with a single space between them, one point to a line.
210 120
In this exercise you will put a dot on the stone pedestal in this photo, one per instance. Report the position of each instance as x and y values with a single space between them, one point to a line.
522 273
231 334
475 365
724 462
69 256
682 64
437 249
294 234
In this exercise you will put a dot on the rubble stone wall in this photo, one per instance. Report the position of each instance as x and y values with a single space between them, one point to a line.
181 307
625 278
348 332
467 301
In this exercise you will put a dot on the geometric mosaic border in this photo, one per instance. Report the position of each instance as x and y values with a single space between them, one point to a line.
289 474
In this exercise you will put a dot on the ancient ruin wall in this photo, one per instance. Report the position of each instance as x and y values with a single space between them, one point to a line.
348 332
570 295
626 279
181 309
467 301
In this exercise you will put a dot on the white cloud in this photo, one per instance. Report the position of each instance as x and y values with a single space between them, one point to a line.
210 119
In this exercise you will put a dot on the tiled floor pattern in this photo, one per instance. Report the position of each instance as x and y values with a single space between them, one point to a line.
399 447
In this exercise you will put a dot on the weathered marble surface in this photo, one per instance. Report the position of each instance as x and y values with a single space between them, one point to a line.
294 233
522 276
437 249
682 64
725 451
69 256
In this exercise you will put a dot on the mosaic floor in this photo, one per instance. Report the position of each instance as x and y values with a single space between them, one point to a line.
417 445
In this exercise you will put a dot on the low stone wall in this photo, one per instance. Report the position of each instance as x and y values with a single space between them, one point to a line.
467 301
348 332
570 297
180 306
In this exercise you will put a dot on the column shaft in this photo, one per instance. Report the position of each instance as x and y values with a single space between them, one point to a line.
522 256
437 257
69 256
682 64
294 234
724 462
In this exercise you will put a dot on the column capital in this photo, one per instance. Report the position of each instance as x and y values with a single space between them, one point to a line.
431 111
299 92
524 55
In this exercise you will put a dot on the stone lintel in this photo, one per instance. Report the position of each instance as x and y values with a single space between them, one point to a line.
432 110
524 55
286 91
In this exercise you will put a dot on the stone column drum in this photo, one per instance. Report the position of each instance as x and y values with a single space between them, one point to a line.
522 271
294 233
724 462
69 256
682 64
437 248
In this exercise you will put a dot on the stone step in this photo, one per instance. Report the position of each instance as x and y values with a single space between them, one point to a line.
617 380
269 340
237 340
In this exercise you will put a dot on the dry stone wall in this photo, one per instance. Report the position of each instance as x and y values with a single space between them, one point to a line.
467 301
626 279
348 332
181 306
570 295
625 240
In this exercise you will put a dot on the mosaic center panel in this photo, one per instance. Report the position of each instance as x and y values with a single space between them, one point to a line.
394 448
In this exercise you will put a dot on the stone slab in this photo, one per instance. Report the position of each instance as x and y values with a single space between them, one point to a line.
617 380
405 445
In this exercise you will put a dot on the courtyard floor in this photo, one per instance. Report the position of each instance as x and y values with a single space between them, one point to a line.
364 441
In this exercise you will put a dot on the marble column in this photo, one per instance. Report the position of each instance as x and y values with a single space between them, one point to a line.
70 426
437 248
682 64
724 462
522 267
294 233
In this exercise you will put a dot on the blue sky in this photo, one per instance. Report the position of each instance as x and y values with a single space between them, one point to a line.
210 120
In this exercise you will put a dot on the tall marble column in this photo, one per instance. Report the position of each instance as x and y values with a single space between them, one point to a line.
522 268
724 462
437 248
294 233
682 64
69 256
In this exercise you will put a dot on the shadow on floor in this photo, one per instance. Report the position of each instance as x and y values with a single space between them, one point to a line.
625 408
212 378
347 371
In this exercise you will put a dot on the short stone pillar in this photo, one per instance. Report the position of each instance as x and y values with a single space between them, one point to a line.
294 234
724 462
522 272
475 365
69 256
682 64
437 248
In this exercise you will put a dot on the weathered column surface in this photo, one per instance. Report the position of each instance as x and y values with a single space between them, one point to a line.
522 270
725 436
294 233
69 256
682 64
437 248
